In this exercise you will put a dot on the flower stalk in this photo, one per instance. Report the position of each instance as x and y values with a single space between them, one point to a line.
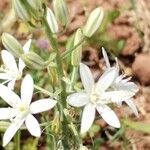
17 140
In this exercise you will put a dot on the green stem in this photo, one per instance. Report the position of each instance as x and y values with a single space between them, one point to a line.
17 140
44 91
73 77
66 53
54 45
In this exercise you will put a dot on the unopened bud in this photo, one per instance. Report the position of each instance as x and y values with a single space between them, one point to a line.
21 10
33 61
93 22
35 4
51 20
12 45
61 11
77 53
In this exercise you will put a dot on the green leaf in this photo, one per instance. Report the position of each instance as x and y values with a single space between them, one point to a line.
138 126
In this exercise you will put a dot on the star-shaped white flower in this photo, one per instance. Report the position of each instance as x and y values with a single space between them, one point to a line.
94 98
10 71
121 83
21 109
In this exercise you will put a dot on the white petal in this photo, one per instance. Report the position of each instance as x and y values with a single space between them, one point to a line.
11 84
27 89
106 57
9 61
86 78
106 80
7 113
5 76
87 118
77 99
132 106
27 46
117 96
108 115
128 86
9 96
33 125
21 65
42 105
11 130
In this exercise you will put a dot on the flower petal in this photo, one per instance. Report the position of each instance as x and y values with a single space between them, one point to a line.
86 77
5 76
106 58
106 80
87 118
11 130
117 96
9 61
42 105
132 106
127 86
7 113
11 84
108 115
77 99
21 65
27 89
9 96
33 125
27 46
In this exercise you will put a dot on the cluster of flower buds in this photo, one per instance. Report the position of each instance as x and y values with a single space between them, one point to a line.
31 59
28 10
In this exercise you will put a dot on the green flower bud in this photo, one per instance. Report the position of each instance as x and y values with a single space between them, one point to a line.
35 4
93 22
77 53
21 10
61 11
51 20
33 61
12 45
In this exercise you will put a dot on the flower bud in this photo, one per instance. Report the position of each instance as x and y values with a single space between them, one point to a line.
61 11
93 22
21 10
33 61
51 20
12 45
77 53
35 4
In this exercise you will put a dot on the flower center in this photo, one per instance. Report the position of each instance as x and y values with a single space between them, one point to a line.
94 96
23 109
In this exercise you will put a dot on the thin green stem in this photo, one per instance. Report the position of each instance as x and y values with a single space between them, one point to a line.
60 73
54 45
66 53
44 91
73 77
17 140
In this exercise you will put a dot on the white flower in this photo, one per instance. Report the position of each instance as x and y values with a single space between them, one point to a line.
121 83
10 72
95 98
21 109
